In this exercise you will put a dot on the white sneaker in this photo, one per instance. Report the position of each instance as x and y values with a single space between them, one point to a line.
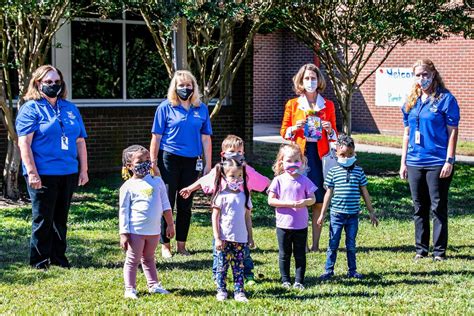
158 289
298 286
130 293
221 295
240 297
286 285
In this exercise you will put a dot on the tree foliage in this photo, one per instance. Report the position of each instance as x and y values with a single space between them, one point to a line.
345 35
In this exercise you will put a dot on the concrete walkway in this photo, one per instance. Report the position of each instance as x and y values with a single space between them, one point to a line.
270 133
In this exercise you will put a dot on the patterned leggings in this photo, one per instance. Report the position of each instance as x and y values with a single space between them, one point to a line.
233 253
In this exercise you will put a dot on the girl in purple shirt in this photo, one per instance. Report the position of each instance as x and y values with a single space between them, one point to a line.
290 193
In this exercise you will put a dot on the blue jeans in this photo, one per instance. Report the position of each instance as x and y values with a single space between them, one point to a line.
248 262
338 222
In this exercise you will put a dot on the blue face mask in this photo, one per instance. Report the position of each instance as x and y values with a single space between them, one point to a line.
346 162
142 169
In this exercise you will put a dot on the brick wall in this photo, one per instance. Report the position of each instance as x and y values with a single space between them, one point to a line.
453 57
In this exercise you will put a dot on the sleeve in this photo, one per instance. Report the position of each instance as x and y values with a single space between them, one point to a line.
451 111
329 181
124 210
250 203
165 202
82 133
207 181
287 122
275 187
310 187
206 128
27 120
332 119
159 122
363 179
405 116
217 203
256 181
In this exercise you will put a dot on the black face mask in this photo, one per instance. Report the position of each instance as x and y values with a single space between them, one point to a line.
51 91
184 93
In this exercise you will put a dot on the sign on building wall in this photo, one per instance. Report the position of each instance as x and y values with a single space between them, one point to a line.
392 85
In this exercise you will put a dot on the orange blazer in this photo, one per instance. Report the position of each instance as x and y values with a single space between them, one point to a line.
293 113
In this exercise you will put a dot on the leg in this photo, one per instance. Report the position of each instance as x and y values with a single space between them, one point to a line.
68 185
238 250
316 229
134 254
214 259
248 263
439 189
335 229
222 266
351 227
284 253
421 204
300 237
43 202
188 175
148 259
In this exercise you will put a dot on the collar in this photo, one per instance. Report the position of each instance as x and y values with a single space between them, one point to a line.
303 103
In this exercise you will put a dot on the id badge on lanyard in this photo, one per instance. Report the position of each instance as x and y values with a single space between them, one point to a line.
64 138
417 131
199 164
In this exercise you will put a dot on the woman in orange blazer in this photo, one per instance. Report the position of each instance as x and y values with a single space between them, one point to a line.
313 138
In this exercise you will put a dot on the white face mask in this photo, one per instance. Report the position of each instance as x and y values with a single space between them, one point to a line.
310 85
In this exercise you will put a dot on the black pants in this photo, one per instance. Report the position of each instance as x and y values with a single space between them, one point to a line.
50 206
430 193
177 172
292 241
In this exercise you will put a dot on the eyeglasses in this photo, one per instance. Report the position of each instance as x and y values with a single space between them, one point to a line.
50 82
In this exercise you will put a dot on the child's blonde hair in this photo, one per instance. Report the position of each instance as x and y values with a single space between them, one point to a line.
127 156
293 150
232 142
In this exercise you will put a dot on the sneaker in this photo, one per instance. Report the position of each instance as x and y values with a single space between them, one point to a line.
166 254
286 285
130 293
240 297
326 276
43 265
250 280
418 257
355 275
158 289
298 286
439 258
221 295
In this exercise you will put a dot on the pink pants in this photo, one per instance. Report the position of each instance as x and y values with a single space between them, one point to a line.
141 248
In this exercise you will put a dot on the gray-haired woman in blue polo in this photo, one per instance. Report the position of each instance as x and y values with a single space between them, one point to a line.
180 147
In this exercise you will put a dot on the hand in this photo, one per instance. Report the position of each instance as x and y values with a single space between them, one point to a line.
156 171
83 178
327 126
300 124
374 220
251 243
220 244
320 220
34 181
299 203
124 241
446 170
185 192
403 172
206 170
170 232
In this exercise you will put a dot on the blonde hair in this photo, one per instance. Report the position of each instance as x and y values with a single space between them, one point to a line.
232 142
184 75
415 93
127 156
293 150
298 79
33 92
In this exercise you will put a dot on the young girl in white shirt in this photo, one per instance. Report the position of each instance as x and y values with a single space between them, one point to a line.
143 201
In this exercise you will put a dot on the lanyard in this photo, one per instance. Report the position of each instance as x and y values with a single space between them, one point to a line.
57 111
422 105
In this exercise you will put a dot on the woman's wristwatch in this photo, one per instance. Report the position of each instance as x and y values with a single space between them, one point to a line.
451 160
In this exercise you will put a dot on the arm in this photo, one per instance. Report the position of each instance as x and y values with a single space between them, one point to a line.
403 166
207 147
154 148
124 218
248 224
287 129
453 140
326 201
368 203
256 181
168 215
216 214
330 125
82 155
186 192
24 142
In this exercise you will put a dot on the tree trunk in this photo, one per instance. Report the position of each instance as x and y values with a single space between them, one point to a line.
346 111
10 172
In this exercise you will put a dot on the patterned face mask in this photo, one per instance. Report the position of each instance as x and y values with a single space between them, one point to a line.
142 169
424 82
234 155
234 185
292 167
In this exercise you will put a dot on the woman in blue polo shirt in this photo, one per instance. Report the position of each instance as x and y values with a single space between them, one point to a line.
51 137
431 118
181 129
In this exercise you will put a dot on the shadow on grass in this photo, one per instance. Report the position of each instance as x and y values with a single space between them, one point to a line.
282 293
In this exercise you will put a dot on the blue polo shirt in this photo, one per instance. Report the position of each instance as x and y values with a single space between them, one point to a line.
435 114
181 129
39 117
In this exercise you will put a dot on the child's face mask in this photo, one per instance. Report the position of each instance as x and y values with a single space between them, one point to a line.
234 184
292 167
235 155
346 161
142 169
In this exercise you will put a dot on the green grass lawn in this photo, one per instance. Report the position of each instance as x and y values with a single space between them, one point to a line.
463 147
394 283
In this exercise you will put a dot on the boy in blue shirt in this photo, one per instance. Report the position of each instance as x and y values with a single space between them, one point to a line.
344 184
